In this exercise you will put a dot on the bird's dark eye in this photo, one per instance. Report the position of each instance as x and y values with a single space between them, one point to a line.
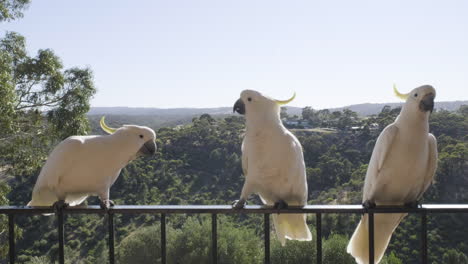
249 99
416 95
141 136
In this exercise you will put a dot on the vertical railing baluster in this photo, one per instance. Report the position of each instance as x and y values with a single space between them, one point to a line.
266 227
11 238
61 235
163 238
214 239
424 256
371 237
318 230
110 218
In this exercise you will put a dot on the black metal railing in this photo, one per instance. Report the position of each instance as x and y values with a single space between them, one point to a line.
214 210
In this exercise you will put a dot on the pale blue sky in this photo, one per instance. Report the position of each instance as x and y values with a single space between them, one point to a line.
193 53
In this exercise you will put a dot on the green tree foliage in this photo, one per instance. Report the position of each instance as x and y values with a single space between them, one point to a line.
334 250
192 244
323 118
39 260
41 103
454 257
4 189
391 258
12 9
293 251
142 245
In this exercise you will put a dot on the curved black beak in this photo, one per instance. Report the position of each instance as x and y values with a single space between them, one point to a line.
148 149
427 103
239 107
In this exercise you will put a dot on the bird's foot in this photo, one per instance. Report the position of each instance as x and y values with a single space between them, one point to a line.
281 204
59 205
369 204
414 204
238 204
106 204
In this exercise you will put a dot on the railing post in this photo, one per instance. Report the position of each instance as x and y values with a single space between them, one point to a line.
424 256
163 238
214 239
318 230
266 227
110 218
371 237
11 238
61 235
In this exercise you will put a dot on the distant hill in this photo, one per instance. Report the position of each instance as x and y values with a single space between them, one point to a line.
122 110
371 109
162 117
362 109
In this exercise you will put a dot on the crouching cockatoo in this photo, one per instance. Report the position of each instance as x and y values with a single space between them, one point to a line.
80 166
401 168
273 164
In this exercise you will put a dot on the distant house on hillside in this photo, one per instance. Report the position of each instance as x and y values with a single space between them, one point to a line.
293 122
371 127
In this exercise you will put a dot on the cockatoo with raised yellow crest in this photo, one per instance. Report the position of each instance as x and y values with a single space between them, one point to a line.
401 168
80 166
273 164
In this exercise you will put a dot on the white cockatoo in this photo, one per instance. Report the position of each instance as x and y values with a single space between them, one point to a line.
273 164
80 166
401 168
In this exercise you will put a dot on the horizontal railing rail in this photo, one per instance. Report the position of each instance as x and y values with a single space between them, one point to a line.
163 210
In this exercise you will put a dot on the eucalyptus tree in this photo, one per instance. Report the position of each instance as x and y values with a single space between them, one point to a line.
40 103
12 9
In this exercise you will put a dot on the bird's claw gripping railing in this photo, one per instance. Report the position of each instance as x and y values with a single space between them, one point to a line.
163 210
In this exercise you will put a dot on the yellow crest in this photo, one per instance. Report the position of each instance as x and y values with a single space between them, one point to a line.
108 130
400 95
283 102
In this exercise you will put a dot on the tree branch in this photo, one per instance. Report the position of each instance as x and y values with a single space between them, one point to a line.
50 103
23 94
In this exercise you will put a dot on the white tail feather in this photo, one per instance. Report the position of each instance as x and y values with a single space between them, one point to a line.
292 227
75 199
384 225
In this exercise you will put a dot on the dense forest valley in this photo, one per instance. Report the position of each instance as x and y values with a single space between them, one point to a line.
200 163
